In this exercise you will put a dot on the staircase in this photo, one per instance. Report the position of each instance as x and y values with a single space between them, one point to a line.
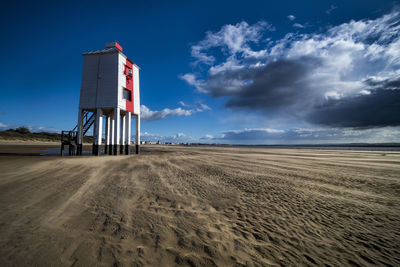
69 138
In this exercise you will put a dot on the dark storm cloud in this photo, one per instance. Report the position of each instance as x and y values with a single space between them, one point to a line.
378 109
279 84
282 85
383 84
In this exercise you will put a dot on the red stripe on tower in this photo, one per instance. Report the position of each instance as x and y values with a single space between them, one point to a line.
129 84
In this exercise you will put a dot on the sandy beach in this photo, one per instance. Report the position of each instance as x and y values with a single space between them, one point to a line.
200 206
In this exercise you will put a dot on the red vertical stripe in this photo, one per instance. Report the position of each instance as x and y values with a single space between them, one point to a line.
129 84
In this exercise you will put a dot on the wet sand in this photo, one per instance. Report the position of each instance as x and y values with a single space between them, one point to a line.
200 206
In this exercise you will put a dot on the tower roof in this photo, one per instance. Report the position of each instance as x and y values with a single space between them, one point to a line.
111 47
102 51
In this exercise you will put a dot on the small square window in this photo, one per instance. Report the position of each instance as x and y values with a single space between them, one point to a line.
127 94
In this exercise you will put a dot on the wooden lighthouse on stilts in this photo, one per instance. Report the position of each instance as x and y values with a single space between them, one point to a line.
109 90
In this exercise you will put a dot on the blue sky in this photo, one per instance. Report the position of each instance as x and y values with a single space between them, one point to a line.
257 72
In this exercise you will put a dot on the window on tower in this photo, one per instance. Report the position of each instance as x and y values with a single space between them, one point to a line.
128 72
127 94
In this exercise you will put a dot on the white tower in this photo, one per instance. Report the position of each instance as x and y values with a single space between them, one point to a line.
110 88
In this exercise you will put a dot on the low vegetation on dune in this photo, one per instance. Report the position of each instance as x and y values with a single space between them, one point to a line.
24 134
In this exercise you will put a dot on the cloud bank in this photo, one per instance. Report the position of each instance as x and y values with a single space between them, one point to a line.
305 136
347 76
270 136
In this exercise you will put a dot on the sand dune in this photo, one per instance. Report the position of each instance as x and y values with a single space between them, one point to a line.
202 207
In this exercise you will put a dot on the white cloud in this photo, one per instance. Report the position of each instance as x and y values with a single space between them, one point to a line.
208 136
198 107
191 79
234 38
298 25
175 138
34 128
150 115
330 9
202 107
201 56
182 104
3 126
291 17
